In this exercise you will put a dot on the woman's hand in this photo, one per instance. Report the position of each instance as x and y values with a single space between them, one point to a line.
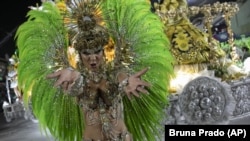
65 78
136 85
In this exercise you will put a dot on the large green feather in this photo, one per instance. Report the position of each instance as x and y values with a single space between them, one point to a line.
42 43
143 32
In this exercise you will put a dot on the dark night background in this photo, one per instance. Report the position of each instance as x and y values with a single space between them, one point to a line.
12 14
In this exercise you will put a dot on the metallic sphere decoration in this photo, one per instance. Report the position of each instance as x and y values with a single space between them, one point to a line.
203 101
242 97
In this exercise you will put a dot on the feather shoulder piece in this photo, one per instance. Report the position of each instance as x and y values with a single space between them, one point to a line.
140 42
42 42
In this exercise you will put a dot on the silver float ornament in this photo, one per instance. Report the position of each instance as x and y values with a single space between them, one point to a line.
204 101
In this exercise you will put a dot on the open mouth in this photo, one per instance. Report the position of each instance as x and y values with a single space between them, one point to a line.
93 65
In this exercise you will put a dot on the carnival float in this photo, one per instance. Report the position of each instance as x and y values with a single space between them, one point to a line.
211 83
13 106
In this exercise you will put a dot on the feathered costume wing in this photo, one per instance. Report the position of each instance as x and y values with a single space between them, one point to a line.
139 42
42 43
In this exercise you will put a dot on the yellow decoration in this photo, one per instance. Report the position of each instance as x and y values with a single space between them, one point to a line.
190 45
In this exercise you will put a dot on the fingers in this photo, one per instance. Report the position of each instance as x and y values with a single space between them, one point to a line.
144 84
56 75
142 90
53 75
70 86
128 94
143 71
62 76
135 93
59 82
65 85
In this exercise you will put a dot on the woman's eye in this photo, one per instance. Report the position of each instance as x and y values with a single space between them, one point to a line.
98 51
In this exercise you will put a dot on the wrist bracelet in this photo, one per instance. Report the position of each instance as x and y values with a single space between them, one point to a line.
70 68
79 82
123 84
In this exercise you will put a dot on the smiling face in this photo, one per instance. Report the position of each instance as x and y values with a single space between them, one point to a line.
93 59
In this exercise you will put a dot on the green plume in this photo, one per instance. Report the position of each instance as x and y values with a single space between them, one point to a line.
42 43
136 30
